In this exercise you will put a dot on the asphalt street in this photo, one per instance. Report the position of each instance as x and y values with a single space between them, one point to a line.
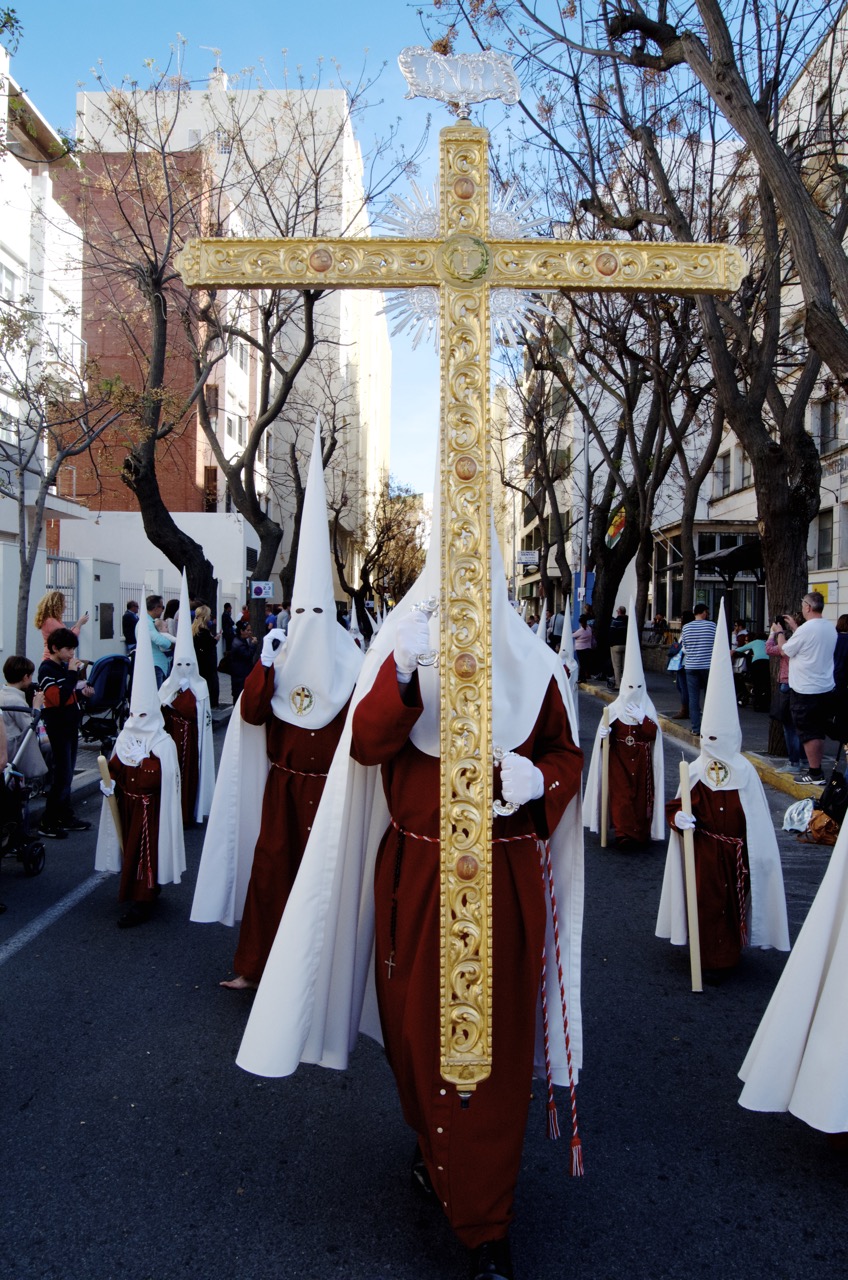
133 1148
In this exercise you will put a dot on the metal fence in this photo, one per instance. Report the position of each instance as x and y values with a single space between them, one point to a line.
63 575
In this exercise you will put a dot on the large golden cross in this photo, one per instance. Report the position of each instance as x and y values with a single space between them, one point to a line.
465 264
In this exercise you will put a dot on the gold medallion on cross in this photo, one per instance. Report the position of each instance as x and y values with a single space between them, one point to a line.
718 773
464 263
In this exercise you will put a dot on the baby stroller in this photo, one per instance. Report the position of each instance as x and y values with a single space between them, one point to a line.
104 713
15 842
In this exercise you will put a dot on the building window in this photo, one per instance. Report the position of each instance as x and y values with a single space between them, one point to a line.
721 476
224 143
828 425
9 283
231 431
824 552
746 475
210 489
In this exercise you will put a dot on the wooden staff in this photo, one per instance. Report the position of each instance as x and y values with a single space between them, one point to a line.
605 780
108 781
691 888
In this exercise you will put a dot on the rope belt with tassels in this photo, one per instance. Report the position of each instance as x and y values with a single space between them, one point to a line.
741 870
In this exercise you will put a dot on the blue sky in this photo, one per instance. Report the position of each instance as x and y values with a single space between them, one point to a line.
62 42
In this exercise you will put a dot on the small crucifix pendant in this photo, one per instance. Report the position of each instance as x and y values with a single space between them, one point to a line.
390 963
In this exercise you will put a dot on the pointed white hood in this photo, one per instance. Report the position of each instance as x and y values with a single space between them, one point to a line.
315 672
569 665
634 688
566 644
722 765
542 629
184 673
144 728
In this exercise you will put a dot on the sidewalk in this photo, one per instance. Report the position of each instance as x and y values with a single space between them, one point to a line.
755 733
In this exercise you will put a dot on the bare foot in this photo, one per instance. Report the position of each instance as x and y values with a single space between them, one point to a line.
238 983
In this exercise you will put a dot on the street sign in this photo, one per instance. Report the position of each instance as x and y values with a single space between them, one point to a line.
262 590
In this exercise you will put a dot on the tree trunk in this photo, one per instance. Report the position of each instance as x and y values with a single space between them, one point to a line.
164 533
687 545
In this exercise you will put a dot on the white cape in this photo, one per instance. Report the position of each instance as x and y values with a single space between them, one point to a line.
234 821
592 798
171 850
797 1061
317 991
205 742
767 923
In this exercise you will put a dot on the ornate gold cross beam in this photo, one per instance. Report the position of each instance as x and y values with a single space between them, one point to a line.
465 264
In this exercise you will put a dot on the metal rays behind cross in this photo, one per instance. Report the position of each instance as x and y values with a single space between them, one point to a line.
465 263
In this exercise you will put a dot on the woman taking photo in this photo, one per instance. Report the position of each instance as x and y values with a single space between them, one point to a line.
49 616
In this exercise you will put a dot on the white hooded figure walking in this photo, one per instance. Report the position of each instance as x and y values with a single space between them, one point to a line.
376 842
146 784
184 696
278 750
636 768
739 878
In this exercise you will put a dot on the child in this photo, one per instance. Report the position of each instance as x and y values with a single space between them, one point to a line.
60 682
18 717
184 696
146 785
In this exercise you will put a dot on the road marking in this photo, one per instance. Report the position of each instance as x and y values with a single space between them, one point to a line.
40 923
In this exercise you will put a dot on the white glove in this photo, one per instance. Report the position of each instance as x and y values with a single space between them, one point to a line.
107 790
684 821
271 645
521 780
635 712
412 637
604 731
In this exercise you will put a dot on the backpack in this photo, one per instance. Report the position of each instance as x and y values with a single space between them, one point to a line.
834 798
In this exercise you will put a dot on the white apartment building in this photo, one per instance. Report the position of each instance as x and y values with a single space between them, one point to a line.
41 269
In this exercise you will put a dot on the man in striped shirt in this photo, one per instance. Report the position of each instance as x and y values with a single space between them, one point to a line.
697 639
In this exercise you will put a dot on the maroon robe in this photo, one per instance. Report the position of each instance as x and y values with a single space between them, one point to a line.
138 790
300 759
473 1155
631 780
721 873
181 723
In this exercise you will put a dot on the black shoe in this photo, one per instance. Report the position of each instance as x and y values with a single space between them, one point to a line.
139 913
421 1184
491 1261
52 830
76 824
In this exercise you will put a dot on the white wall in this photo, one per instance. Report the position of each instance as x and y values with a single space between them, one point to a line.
120 536
9 576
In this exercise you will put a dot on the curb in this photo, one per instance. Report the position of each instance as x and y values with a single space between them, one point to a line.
769 773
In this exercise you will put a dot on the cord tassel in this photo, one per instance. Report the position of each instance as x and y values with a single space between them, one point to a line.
576 1145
